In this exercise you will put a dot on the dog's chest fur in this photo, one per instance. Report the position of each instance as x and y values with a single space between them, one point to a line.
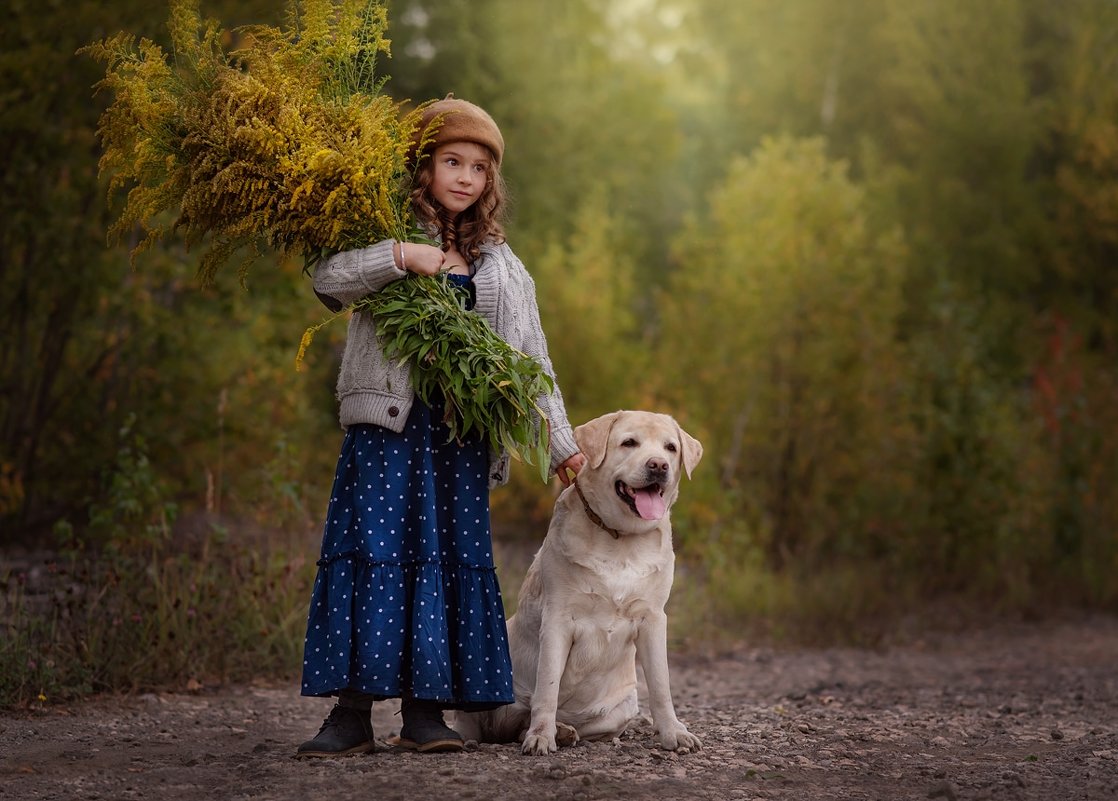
612 591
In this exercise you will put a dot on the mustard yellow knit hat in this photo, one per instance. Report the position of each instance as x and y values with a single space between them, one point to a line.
459 121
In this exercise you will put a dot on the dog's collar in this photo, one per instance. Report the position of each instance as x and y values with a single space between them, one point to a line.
594 515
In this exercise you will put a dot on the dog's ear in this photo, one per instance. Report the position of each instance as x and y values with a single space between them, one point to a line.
593 436
692 450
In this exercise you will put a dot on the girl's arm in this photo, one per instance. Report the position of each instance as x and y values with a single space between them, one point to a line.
345 277
521 328
563 445
354 274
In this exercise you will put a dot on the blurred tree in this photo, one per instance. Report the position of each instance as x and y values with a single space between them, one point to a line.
441 46
52 243
975 434
802 68
589 294
586 119
86 342
962 125
1077 55
782 330
933 97
1073 365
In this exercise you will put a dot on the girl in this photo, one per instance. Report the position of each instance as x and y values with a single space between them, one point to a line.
406 603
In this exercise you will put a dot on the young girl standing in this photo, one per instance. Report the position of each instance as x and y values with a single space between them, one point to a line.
406 603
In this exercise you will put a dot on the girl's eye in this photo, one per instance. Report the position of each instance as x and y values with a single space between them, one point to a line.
629 443
480 168
451 162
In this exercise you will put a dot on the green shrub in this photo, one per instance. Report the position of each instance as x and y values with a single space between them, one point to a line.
126 606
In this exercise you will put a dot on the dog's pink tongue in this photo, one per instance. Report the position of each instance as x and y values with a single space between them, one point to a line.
650 505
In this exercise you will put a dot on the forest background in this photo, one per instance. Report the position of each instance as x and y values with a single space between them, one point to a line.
864 251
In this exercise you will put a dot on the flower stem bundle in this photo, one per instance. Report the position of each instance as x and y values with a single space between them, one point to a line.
287 142
487 385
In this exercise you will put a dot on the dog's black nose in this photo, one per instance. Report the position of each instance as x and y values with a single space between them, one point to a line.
657 466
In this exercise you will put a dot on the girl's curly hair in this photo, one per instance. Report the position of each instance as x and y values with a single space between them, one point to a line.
481 222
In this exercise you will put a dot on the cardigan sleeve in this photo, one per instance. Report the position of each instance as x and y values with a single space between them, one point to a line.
351 275
506 296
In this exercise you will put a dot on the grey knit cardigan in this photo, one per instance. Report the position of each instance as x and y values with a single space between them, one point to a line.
375 389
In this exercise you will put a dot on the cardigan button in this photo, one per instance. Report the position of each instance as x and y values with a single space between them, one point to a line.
393 411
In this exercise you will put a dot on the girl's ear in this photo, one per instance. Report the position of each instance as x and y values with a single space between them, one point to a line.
593 436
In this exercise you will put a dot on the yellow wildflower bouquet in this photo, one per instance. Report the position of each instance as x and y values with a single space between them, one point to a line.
287 142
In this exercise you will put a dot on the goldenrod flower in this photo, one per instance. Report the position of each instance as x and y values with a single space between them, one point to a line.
288 142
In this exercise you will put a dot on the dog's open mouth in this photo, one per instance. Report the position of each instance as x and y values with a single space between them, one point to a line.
646 502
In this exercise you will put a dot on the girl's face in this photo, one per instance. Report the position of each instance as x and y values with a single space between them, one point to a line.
462 171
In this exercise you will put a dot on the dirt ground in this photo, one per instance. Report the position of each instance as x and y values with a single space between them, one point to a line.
1014 712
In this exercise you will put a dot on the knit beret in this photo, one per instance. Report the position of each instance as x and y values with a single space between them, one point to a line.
459 121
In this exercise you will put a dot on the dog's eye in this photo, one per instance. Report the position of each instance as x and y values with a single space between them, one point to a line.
629 443
670 447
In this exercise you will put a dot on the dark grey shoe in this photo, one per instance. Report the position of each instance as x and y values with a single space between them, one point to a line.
346 731
424 729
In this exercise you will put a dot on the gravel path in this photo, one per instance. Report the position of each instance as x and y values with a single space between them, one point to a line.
1016 712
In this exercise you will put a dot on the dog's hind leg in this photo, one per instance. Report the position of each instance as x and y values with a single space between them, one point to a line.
505 724
565 734
613 722
469 724
509 723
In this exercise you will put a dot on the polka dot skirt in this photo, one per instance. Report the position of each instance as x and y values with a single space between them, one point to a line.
406 598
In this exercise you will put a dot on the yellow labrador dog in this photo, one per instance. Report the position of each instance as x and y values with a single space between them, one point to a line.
592 602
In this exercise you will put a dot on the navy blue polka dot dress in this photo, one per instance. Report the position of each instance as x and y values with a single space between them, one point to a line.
406 599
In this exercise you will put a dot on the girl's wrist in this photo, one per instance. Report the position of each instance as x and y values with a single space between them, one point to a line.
402 262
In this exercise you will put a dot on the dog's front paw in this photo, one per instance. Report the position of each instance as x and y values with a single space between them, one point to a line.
539 744
677 738
540 738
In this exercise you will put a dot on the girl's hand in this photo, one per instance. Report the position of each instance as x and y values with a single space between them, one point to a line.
574 464
422 259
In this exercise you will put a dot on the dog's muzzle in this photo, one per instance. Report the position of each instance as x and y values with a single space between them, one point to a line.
646 502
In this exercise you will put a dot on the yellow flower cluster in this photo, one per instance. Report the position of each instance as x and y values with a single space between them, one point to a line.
285 141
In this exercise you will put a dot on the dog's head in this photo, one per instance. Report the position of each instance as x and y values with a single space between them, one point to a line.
634 463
